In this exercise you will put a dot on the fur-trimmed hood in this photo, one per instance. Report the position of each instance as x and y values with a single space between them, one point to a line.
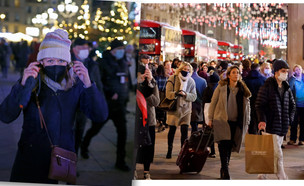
241 85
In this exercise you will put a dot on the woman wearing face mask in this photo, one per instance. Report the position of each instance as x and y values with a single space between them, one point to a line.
266 70
182 86
60 90
229 115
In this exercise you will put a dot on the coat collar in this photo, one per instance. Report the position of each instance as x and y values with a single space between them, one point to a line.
242 86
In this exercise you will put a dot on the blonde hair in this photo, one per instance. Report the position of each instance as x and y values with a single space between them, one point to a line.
182 65
299 66
263 66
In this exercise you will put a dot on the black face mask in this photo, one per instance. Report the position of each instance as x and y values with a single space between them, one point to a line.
184 73
55 72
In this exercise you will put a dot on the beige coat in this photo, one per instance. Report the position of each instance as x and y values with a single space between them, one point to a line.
182 115
218 114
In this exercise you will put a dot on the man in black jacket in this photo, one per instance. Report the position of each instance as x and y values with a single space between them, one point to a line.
114 73
275 108
254 80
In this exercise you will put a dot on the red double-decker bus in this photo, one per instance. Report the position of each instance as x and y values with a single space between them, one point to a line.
159 40
198 47
224 50
236 52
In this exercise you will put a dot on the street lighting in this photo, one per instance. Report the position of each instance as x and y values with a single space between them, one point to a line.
2 17
67 8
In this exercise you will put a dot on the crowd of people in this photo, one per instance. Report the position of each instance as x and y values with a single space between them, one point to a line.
234 98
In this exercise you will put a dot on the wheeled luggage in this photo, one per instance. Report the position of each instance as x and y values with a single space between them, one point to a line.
194 152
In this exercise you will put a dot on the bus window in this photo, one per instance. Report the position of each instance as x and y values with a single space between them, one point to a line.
149 32
189 39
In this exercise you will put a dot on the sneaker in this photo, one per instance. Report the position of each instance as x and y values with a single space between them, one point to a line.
262 177
212 156
301 143
147 176
291 142
135 175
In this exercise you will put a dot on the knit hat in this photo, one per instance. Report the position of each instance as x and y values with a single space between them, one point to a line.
278 64
214 77
115 44
55 45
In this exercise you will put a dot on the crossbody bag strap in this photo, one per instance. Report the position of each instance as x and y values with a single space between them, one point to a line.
42 122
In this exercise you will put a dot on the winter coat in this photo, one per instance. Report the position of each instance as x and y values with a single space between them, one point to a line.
144 142
277 112
291 82
219 117
58 109
254 81
173 117
197 114
114 76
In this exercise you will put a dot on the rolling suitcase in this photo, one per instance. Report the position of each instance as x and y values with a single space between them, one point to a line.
194 152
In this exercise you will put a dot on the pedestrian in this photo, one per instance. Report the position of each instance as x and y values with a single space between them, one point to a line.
182 86
229 115
146 134
296 83
254 81
207 95
5 54
161 80
61 89
197 114
275 107
114 73
266 70
246 63
80 52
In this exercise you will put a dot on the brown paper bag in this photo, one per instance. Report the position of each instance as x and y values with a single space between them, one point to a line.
260 154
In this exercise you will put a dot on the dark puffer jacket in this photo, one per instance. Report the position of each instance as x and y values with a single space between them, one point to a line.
277 112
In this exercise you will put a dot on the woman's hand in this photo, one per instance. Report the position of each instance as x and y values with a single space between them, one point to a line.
148 75
31 70
82 72
210 124
182 93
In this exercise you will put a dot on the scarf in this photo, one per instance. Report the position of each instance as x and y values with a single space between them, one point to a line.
184 83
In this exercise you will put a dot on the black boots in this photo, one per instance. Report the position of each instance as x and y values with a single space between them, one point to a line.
225 174
225 152
169 153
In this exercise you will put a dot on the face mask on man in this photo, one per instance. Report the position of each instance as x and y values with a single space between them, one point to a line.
283 76
55 72
184 73
83 54
119 54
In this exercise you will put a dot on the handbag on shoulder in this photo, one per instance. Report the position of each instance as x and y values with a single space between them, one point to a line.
168 104
63 162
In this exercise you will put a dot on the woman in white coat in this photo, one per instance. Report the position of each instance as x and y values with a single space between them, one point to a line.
182 86
229 115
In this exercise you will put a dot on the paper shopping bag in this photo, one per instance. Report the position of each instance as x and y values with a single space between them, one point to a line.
260 154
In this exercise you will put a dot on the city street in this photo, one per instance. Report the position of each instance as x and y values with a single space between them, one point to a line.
97 170
164 169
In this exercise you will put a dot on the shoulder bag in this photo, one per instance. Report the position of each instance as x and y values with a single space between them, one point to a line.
63 162
168 104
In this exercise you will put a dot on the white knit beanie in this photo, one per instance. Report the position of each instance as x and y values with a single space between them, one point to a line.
55 45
